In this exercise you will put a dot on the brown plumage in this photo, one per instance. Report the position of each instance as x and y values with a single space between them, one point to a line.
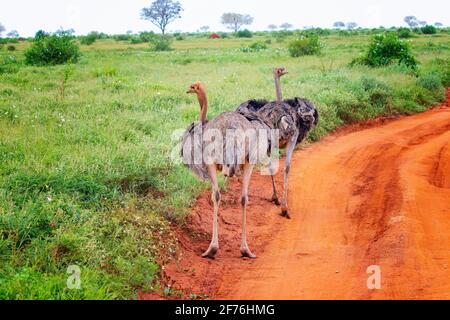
294 118
195 147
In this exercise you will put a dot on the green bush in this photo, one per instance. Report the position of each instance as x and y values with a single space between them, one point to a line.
255 47
431 81
386 49
8 64
11 48
161 43
429 29
404 33
58 48
304 46
89 39
223 35
244 34
146 36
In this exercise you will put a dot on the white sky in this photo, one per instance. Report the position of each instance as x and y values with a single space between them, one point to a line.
118 16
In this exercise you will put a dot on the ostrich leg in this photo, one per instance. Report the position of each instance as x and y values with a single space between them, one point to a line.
215 195
272 174
287 168
245 251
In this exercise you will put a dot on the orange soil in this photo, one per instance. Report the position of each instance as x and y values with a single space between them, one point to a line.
378 196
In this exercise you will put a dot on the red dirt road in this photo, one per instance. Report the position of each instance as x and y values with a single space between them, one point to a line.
378 196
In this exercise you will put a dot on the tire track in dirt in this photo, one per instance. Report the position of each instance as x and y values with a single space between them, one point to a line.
379 196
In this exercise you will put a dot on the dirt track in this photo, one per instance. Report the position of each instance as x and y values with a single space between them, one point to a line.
377 196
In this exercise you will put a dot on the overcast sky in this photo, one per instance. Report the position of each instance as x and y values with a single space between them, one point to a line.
119 16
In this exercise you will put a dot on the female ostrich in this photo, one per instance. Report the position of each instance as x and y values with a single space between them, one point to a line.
294 118
195 141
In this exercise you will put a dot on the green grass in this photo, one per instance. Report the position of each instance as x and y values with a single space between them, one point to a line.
86 177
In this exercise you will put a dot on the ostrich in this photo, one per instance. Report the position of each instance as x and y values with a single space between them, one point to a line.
194 141
294 118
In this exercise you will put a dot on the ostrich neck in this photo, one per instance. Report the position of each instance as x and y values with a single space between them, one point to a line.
203 101
278 89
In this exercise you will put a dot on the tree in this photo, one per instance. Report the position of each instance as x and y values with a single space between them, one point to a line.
235 21
286 26
352 25
13 34
272 27
422 23
162 12
2 28
204 29
339 24
438 25
411 21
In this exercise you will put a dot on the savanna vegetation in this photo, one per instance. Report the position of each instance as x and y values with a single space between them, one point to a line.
86 176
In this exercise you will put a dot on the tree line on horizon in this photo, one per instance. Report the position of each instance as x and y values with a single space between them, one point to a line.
163 12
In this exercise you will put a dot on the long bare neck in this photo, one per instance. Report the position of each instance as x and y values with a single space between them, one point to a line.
278 89
203 101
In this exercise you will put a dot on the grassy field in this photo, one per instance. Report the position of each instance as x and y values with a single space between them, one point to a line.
85 171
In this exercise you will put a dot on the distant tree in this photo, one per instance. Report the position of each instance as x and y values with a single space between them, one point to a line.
272 27
129 32
411 21
438 25
204 29
69 32
13 34
339 24
352 25
2 28
41 34
235 21
162 12
422 23
286 26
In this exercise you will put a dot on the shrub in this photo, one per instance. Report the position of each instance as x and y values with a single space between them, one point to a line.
304 46
429 29
161 43
58 48
11 48
404 33
255 47
244 34
8 64
385 49
146 36
89 39
431 81
136 40
223 35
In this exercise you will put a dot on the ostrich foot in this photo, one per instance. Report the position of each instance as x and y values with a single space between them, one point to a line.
211 252
275 200
285 213
246 253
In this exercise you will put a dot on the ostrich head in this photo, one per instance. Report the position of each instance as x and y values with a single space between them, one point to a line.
199 89
279 72
196 87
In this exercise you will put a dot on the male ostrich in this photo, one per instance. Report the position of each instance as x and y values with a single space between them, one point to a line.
194 142
294 118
